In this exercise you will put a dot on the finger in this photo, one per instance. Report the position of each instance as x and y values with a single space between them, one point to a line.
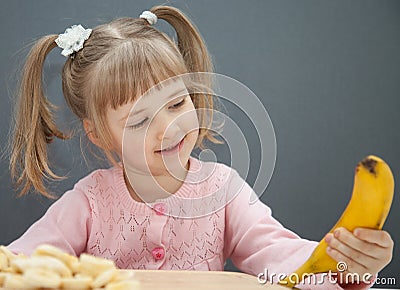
379 237
358 256
350 240
383 243
352 266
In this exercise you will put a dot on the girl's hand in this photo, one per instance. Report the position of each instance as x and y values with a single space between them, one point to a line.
365 251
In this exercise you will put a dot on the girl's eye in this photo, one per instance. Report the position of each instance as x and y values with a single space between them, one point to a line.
138 125
177 105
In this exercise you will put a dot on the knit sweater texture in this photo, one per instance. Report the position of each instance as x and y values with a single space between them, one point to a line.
215 215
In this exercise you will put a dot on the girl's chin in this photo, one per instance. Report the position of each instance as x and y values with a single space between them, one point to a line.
176 167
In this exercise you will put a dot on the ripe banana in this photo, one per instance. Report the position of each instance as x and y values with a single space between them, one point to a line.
368 208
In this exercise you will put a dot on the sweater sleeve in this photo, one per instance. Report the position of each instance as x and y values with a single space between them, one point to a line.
259 245
65 225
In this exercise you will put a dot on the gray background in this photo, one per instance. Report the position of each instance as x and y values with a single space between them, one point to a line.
327 72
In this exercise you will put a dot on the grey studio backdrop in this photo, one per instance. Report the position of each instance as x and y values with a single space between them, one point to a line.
327 72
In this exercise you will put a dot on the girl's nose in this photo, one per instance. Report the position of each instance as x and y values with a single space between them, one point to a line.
166 127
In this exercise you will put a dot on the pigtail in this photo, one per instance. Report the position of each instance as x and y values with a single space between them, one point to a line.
34 125
190 43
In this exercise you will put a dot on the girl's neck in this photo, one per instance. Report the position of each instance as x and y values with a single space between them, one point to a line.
152 188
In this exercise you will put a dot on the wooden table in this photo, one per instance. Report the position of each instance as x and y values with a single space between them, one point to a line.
199 280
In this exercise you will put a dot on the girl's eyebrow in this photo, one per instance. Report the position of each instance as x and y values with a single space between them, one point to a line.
180 93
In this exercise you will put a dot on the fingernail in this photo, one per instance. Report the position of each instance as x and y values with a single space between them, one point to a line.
336 233
356 232
329 249
328 238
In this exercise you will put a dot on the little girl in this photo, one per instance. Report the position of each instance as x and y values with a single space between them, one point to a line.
157 207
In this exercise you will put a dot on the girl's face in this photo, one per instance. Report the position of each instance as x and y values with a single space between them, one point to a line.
157 132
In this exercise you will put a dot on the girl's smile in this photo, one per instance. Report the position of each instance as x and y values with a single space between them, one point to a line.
171 150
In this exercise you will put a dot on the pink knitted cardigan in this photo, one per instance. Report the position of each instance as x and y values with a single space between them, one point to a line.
214 216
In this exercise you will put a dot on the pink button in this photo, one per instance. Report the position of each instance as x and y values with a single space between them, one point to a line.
160 208
158 253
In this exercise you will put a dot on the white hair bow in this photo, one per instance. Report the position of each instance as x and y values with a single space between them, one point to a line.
149 16
72 40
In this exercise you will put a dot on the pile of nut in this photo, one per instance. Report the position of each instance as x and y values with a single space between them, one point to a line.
50 268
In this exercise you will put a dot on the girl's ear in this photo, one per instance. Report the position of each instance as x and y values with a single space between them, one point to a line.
91 132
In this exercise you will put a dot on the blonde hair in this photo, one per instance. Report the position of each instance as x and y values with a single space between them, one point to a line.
120 61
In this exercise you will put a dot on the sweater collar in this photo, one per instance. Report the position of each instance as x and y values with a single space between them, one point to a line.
196 174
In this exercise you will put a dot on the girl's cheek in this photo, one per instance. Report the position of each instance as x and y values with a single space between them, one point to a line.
190 121
133 143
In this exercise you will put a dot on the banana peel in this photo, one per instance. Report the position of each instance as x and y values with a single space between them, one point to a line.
368 207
